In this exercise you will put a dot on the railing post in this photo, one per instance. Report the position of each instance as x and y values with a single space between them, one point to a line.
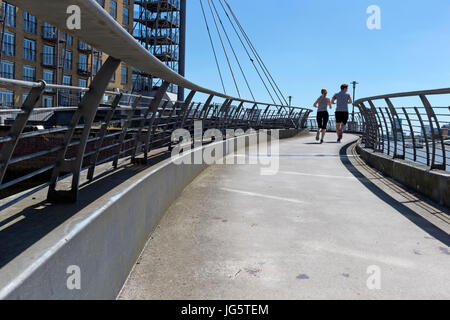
396 122
424 132
101 136
371 130
394 132
225 116
432 116
125 127
237 118
18 126
380 132
153 109
387 132
87 110
205 111
235 114
412 133
184 111
305 118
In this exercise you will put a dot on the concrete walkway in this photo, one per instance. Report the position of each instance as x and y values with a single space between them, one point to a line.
310 232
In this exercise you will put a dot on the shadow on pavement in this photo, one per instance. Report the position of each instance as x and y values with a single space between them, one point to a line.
408 213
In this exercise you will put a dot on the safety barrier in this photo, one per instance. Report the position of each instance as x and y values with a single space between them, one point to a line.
419 134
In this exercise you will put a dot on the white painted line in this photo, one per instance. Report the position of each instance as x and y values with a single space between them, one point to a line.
316 175
259 195
364 255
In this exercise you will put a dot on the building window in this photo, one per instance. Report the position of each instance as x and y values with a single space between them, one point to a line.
9 44
47 101
29 49
7 69
24 97
97 65
83 46
48 77
126 16
126 2
48 56
82 63
124 77
82 83
29 73
49 32
30 23
67 80
10 15
68 39
65 95
6 98
113 9
101 2
67 59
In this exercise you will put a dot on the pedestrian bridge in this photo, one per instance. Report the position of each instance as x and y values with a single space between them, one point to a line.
114 201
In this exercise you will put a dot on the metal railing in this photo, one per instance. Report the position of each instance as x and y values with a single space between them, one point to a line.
129 126
356 126
415 133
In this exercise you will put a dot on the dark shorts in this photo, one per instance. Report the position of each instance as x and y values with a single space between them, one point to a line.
322 119
342 117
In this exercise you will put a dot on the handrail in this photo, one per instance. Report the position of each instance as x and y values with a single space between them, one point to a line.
405 94
416 134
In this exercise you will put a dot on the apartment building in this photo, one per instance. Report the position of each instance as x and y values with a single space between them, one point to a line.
32 49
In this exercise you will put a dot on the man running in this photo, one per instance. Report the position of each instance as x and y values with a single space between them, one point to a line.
342 99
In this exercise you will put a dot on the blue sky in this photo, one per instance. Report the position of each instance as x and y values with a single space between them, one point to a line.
310 44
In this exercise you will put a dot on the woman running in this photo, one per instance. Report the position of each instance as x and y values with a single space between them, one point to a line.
322 114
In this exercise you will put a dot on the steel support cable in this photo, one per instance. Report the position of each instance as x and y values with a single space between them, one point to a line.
255 52
212 46
224 50
262 64
232 48
248 53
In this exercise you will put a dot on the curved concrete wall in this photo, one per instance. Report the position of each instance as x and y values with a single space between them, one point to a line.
105 239
433 184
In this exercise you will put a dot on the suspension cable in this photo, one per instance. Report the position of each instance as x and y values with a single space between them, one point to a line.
212 46
232 48
248 53
263 66
224 50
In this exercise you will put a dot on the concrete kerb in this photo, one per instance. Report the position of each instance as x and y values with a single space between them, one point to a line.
434 184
